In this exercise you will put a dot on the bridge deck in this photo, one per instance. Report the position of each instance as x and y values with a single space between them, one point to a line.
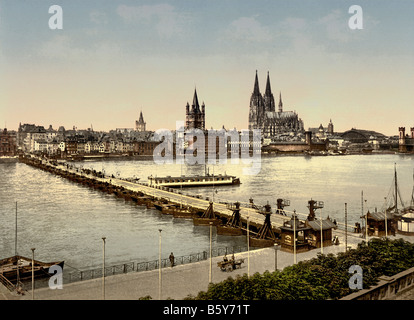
255 218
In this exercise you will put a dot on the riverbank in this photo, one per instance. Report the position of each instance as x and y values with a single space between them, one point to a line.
118 156
177 282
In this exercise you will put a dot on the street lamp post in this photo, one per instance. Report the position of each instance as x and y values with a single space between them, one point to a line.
33 249
159 267
210 272
346 228
15 238
213 183
181 185
362 204
321 234
276 247
366 223
385 214
103 267
248 249
294 237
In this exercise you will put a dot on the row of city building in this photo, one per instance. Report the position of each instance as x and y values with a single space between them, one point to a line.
281 131
33 138
68 143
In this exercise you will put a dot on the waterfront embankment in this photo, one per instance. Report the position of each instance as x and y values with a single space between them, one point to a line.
176 282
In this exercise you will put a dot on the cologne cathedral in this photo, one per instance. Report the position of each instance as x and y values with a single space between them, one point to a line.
262 114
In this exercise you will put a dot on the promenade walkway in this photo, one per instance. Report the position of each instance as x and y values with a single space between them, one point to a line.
177 282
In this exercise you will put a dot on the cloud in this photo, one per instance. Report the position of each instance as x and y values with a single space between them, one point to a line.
98 17
248 29
337 29
64 48
60 47
297 34
294 24
166 19
336 26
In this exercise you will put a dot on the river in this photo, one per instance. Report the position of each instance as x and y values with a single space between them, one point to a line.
66 221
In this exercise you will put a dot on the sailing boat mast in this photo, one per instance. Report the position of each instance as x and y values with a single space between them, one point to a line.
395 188
18 286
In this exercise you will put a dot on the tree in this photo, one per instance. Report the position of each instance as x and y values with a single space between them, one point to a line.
322 277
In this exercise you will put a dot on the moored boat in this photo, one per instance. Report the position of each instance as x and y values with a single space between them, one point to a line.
205 221
172 208
144 200
265 236
208 217
260 242
161 204
225 230
405 220
233 225
194 181
185 213
20 268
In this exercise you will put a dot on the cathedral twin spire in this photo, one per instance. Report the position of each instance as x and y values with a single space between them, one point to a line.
256 90
268 89
260 104
268 98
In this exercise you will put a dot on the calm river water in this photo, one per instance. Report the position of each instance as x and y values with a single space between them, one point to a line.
66 221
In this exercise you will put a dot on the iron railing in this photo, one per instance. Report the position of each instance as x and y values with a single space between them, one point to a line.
80 275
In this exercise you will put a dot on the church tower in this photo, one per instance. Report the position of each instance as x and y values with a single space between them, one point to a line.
195 117
268 99
256 109
263 116
280 102
330 127
140 125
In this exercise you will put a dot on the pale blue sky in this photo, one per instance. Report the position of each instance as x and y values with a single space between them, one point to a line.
115 58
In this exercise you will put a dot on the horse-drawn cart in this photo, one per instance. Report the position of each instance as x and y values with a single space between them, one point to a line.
230 265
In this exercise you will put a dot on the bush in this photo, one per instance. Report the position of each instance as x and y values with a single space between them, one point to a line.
320 278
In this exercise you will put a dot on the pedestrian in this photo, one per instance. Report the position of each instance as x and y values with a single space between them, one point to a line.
172 259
